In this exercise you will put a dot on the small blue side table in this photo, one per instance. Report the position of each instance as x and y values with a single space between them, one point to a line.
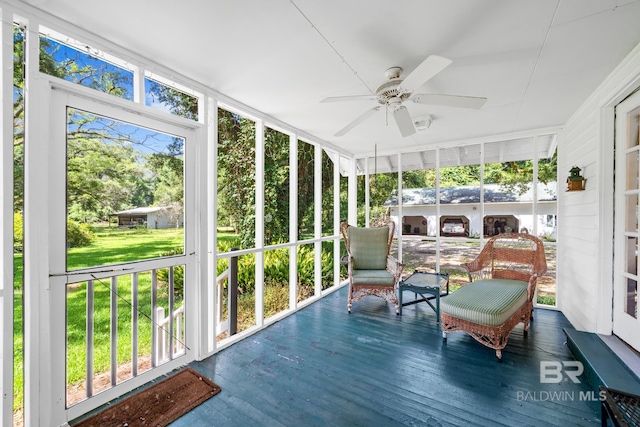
435 285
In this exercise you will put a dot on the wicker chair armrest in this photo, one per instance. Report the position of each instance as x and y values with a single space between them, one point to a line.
394 267
533 283
476 271
474 266
478 275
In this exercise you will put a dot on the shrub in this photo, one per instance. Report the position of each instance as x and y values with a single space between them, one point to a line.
178 274
17 231
546 299
276 265
79 235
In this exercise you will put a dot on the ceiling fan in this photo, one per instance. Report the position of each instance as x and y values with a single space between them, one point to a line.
394 91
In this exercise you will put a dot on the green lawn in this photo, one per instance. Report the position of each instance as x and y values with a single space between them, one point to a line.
115 246
111 246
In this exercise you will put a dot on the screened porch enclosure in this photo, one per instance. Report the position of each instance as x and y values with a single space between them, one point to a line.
253 212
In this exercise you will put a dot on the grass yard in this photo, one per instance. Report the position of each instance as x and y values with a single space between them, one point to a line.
111 246
116 245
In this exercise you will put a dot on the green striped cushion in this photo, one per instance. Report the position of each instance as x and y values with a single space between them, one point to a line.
487 302
369 247
372 277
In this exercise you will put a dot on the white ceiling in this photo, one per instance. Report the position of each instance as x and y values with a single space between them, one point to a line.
535 61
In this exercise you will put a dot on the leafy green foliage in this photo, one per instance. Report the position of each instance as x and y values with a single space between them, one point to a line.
236 172
179 103
78 234
306 186
18 231
276 187
178 274
546 300
327 194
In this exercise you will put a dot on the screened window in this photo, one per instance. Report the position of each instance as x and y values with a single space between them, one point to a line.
125 191
166 98
236 181
87 69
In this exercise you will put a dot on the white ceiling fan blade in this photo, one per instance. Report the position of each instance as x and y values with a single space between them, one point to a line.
357 121
404 121
449 100
429 68
350 98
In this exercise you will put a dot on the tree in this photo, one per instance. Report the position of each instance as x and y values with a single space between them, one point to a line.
179 103
276 187
98 75
106 169
236 175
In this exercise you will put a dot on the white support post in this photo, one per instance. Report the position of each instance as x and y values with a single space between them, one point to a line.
534 205
482 151
38 392
367 189
352 215
6 216
259 285
336 219
438 229
209 262
293 221
400 213
317 211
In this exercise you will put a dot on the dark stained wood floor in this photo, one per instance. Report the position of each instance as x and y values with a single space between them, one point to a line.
325 367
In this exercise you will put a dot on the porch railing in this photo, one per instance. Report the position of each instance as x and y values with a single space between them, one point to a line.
122 312
228 325
171 341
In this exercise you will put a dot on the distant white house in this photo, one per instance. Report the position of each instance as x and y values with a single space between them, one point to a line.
461 213
151 217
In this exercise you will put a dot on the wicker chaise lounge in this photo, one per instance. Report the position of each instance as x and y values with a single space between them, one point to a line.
503 282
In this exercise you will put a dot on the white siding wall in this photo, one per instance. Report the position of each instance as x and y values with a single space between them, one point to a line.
585 218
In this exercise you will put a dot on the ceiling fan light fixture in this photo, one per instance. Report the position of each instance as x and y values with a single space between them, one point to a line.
393 72
395 90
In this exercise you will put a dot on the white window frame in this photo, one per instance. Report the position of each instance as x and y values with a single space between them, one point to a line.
51 215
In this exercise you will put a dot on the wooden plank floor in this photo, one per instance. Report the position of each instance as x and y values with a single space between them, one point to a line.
323 366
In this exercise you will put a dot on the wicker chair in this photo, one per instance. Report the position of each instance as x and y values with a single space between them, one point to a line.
372 271
503 283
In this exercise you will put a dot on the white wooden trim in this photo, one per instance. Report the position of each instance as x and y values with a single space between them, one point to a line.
259 233
399 228
37 387
317 213
367 189
466 142
352 215
605 217
55 325
209 267
438 230
336 219
6 216
624 325
195 229
293 221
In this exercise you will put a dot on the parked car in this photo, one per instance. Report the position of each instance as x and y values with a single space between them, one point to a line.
454 227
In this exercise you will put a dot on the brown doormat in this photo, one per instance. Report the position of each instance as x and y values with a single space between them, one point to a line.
159 404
